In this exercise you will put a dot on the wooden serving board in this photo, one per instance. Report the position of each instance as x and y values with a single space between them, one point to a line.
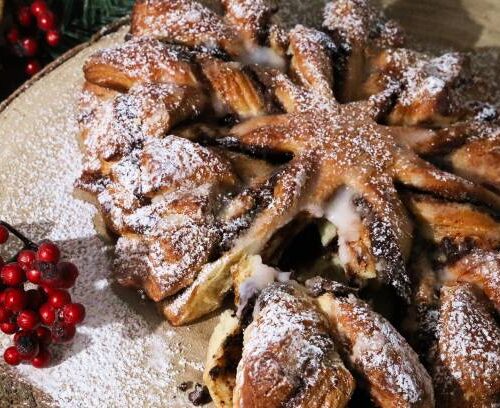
125 354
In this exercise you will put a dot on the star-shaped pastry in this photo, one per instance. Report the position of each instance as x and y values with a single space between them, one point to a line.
351 118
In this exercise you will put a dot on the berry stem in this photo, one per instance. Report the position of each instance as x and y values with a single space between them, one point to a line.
28 243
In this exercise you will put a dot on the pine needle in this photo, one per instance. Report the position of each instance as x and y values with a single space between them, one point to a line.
80 19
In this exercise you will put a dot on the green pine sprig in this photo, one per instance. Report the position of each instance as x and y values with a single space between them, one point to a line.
80 19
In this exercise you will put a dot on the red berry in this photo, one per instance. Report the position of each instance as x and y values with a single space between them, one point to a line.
30 46
27 344
38 7
48 252
53 38
36 297
69 273
5 314
46 21
28 320
47 314
48 290
24 16
58 298
12 274
32 68
51 275
63 332
26 259
74 313
42 359
12 356
15 299
43 335
4 234
18 334
13 35
34 276
2 298
8 327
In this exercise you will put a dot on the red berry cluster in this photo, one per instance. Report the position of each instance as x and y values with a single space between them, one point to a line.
43 314
34 23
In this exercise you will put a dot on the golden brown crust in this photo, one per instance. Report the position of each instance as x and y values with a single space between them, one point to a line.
311 62
430 94
176 228
319 137
466 367
359 28
90 103
278 39
204 295
427 91
114 123
249 17
420 321
234 89
289 95
386 68
139 60
481 267
255 214
360 23
478 160
186 210
289 359
439 220
389 368
183 21
417 173
223 355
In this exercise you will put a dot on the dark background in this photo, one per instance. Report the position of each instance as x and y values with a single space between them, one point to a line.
76 20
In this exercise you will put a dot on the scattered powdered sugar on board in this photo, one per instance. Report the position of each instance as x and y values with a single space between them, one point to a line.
124 354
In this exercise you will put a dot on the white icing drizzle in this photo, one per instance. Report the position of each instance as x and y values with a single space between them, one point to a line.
262 276
341 212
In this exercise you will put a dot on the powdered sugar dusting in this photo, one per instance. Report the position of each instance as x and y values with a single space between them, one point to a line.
429 78
247 16
123 355
181 21
141 59
147 195
177 226
360 23
480 267
468 352
380 354
290 335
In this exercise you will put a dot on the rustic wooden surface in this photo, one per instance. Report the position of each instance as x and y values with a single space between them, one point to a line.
461 24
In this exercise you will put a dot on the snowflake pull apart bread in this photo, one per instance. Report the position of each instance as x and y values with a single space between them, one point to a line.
224 148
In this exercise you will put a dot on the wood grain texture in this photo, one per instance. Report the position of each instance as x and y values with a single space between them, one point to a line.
461 24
